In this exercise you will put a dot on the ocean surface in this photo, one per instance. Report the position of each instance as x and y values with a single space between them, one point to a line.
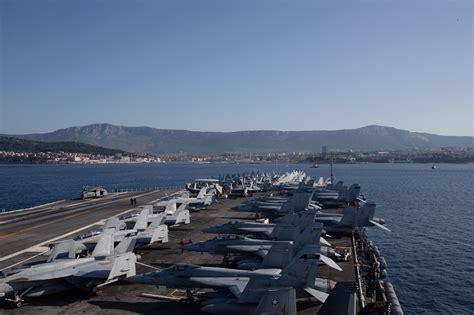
430 251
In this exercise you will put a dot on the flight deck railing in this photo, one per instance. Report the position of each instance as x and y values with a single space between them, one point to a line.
357 272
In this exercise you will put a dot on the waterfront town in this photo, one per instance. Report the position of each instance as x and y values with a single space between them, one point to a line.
443 155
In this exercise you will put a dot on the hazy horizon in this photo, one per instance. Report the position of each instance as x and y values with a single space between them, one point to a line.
236 66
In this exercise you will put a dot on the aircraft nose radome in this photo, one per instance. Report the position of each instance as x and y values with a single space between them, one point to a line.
211 229
192 247
5 289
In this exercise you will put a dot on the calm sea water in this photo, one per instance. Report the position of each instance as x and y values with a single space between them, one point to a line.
430 252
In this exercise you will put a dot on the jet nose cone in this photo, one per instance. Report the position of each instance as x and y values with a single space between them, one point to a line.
5 289
211 229
193 247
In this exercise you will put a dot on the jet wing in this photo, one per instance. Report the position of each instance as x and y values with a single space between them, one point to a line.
63 273
379 225
238 287
328 261
269 271
319 295
278 301
266 230
245 248
269 207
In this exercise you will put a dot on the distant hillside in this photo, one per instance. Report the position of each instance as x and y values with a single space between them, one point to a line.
151 140
22 145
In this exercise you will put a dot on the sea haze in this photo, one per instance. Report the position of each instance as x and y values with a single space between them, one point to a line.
430 212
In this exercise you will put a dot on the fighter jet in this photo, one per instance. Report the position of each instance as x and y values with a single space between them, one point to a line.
268 230
243 245
201 201
212 185
60 274
281 230
246 286
353 217
274 301
148 234
337 198
171 215
297 202
143 234
85 243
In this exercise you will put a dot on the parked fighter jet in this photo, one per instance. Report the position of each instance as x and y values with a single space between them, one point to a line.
143 234
201 201
148 234
171 216
246 286
281 230
86 243
269 230
295 203
337 198
353 217
239 244
274 301
211 184
61 274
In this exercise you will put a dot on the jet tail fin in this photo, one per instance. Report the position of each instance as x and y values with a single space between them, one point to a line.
278 256
320 181
310 235
302 269
141 223
341 300
353 193
160 233
125 246
123 265
278 301
284 232
338 186
359 216
202 193
105 245
297 202
61 250
112 223
170 207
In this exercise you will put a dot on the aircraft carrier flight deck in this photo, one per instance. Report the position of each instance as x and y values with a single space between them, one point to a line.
25 236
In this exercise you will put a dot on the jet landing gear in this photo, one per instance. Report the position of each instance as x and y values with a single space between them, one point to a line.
18 298
190 299
17 301
189 296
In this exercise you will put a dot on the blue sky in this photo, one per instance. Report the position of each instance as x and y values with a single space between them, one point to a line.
237 65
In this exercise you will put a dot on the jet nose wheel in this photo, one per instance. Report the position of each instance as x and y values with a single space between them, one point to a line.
19 303
189 296
18 300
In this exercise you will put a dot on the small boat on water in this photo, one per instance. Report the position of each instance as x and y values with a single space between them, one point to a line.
433 167
314 166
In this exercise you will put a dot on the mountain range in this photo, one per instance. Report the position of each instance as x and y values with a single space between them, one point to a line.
167 141
23 145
